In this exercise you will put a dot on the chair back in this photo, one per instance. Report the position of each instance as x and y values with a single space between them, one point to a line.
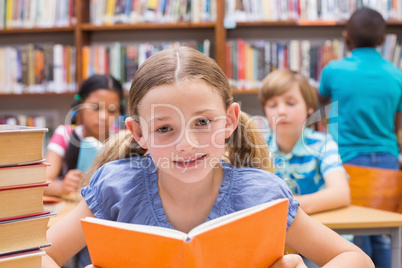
375 187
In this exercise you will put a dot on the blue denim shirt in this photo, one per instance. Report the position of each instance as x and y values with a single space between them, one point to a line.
127 191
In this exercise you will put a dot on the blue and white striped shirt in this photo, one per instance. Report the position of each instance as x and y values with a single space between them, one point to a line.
313 157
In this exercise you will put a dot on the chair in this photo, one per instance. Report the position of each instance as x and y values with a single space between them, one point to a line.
375 187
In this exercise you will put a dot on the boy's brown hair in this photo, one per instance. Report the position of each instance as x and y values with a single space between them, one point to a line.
279 81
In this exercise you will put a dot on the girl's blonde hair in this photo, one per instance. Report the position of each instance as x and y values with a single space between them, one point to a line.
279 81
245 147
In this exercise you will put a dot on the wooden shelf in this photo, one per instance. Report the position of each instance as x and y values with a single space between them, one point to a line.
394 22
84 33
265 23
245 92
24 95
37 30
303 23
147 26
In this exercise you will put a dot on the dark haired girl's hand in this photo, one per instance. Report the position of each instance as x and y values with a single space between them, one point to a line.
71 181
289 261
328 54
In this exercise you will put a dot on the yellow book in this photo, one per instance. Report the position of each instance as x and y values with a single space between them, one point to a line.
152 4
110 12
249 66
9 13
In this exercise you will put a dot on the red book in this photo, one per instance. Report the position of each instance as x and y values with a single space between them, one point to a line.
27 174
26 259
229 61
21 200
24 234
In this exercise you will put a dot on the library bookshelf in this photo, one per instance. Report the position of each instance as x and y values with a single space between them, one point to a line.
83 33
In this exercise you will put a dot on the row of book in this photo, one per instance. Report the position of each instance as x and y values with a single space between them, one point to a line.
306 11
23 120
110 12
44 68
36 13
23 218
247 63
122 60
37 68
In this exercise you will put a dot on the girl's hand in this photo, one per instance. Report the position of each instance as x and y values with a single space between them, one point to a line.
71 181
289 261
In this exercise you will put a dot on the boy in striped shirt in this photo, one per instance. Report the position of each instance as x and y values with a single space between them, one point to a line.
307 160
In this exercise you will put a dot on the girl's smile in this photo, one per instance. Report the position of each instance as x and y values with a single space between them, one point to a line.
190 162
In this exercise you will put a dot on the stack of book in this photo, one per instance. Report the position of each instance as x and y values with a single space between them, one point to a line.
23 219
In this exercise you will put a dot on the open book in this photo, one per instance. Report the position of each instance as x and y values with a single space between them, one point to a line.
254 237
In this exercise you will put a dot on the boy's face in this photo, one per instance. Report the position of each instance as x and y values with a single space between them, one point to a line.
184 128
287 113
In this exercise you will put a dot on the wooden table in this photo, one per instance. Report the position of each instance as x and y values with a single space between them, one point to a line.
366 221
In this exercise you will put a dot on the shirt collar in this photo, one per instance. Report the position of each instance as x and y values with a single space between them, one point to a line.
365 52
299 149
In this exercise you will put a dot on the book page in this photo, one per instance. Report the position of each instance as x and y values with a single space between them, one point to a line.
167 232
215 223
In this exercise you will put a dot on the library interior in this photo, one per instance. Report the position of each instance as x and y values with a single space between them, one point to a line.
56 56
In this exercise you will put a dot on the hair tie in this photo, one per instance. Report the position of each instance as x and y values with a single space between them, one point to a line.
77 97
74 113
122 102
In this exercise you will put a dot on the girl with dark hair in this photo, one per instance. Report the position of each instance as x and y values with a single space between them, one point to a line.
97 104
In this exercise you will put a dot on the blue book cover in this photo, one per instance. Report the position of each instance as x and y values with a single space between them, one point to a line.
88 149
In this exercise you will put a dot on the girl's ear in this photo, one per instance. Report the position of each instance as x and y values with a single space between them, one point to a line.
135 129
232 119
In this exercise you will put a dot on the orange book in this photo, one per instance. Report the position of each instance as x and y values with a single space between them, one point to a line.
86 52
253 237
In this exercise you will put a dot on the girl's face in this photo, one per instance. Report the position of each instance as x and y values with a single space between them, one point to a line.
98 112
184 128
287 113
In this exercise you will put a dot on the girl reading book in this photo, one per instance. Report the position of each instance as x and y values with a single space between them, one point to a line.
94 110
190 156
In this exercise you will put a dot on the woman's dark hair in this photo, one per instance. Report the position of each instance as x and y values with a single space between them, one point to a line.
93 83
